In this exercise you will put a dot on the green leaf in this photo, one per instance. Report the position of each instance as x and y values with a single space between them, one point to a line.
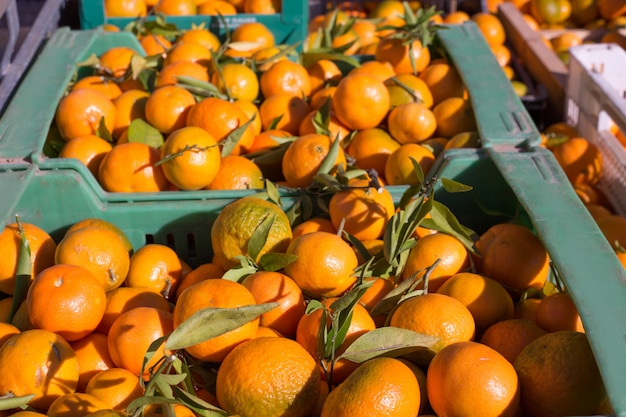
331 159
276 261
274 122
23 271
141 131
321 119
212 322
388 342
233 137
162 386
246 267
199 87
313 305
272 192
259 236
197 403
393 297
418 170
443 220
309 58
9 403
152 349
103 132
452 186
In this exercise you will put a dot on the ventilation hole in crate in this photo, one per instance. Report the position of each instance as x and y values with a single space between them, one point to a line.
170 241
149 239
191 245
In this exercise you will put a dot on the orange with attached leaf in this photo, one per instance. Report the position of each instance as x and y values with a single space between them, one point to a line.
304 157
191 158
220 118
81 112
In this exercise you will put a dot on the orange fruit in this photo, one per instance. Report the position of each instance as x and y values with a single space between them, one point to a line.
558 375
235 224
38 362
380 386
99 250
5 308
435 315
215 293
129 105
408 88
132 333
89 149
285 77
550 11
382 71
562 42
154 44
452 255
99 83
580 159
314 224
502 54
319 98
123 299
370 149
163 410
487 300
472 379
304 157
405 58
456 17
322 73
399 169
325 264
215 7
264 58
202 36
263 331
176 7
307 335
364 210
366 31
104 224
167 108
411 123
75 404
614 229
220 118
453 116
557 311
248 384
283 111
611 9
116 60
42 248
116 387
189 51
169 73
527 309
237 80
509 337
491 28
237 172
349 39
66 299
443 81
512 255
125 8
157 267
80 113
335 127
361 101
250 109
93 356
598 210
267 140
255 35
191 158
199 273
269 287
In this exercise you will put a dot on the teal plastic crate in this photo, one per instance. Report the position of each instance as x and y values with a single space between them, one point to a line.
23 128
288 27
526 185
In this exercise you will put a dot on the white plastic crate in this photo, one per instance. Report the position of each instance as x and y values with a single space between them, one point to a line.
595 99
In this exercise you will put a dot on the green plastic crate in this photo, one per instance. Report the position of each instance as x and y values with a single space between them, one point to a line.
525 185
288 27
